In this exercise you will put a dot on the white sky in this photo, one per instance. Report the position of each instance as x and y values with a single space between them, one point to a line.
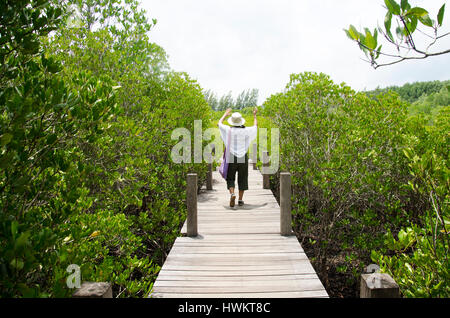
230 45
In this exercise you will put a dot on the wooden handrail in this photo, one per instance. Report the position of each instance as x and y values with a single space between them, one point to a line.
285 204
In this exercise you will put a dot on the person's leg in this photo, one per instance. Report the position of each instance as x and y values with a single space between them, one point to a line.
241 195
231 177
242 179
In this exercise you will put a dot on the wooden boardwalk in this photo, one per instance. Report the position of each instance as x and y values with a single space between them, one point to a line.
238 253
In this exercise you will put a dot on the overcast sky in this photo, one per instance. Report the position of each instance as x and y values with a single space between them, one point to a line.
230 45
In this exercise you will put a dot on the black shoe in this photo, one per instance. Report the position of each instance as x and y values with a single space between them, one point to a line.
240 202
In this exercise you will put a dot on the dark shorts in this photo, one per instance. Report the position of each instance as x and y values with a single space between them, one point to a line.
239 165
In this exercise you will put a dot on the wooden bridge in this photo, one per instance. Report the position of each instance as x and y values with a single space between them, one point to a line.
238 252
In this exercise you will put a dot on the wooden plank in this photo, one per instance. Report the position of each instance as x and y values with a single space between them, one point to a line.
238 229
239 218
241 237
234 249
249 217
217 259
239 211
247 220
231 257
234 231
237 225
238 244
231 212
244 288
236 284
238 214
302 294
249 206
303 266
163 276
239 273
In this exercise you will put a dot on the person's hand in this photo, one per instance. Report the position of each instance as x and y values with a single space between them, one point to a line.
228 112
255 110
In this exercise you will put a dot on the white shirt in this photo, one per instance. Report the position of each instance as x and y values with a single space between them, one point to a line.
240 138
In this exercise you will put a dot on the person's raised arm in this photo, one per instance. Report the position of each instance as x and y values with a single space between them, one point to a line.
227 113
255 121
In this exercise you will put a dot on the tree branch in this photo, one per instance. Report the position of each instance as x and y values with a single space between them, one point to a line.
400 57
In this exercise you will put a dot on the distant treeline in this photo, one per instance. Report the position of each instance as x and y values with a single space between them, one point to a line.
247 98
424 97
411 92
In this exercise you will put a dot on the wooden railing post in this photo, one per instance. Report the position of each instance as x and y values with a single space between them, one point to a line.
378 285
285 204
265 161
255 155
191 202
93 290
210 165
209 177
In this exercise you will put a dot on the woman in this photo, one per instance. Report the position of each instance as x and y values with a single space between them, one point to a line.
240 139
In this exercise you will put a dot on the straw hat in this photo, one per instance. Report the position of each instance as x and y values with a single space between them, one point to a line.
236 120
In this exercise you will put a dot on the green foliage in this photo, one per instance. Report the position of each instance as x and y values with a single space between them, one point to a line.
431 104
420 263
408 20
85 137
412 92
22 23
43 120
351 178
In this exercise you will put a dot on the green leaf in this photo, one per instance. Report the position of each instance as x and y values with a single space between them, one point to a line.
348 34
402 236
440 16
400 32
426 20
14 229
408 153
22 240
408 266
378 51
17 263
412 24
51 139
20 183
417 12
387 25
353 33
370 41
375 256
7 159
405 5
392 6
5 139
